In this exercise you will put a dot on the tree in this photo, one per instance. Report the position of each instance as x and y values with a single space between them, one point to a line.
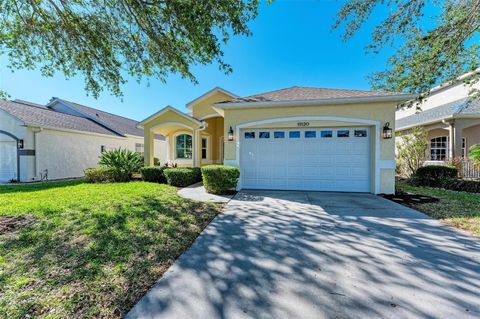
411 151
474 154
104 40
427 55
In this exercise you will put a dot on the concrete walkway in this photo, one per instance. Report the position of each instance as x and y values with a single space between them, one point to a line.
320 255
197 192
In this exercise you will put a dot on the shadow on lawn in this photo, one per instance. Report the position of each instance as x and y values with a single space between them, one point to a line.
104 262
287 255
40 186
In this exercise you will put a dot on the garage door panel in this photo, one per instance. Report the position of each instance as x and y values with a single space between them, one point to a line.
317 163
8 161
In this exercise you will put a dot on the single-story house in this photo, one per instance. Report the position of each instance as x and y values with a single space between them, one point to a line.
298 138
61 139
450 118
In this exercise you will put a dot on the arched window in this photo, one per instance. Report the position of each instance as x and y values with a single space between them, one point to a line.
183 146
438 148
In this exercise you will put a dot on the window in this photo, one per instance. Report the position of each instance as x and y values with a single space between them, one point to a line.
464 147
310 134
294 134
204 147
360 133
326 134
183 146
103 148
279 134
343 133
249 135
438 148
139 148
264 135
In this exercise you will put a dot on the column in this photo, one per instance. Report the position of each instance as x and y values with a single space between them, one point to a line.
196 163
148 146
451 140
457 143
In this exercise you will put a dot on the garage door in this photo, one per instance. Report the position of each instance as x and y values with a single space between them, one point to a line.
322 159
8 161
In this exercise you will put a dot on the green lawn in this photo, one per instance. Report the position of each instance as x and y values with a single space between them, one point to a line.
90 250
459 209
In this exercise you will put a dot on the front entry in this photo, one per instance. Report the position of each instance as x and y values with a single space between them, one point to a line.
316 159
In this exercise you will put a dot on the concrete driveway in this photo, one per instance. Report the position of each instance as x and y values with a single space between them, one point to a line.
320 255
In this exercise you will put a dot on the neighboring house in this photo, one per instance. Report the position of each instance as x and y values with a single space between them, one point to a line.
62 137
297 138
450 118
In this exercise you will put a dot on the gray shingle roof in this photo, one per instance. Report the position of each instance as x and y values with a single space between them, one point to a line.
295 93
118 123
45 117
456 108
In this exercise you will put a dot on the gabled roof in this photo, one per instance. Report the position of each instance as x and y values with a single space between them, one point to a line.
457 109
41 116
209 93
169 108
299 93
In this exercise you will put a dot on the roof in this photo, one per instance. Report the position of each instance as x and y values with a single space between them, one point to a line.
45 117
207 94
122 125
299 93
459 108
169 108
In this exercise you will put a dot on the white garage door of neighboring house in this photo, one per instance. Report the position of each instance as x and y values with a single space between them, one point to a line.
8 161
318 159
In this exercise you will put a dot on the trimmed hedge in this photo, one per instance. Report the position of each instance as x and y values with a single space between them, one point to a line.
99 175
436 171
153 174
182 177
220 179
453 184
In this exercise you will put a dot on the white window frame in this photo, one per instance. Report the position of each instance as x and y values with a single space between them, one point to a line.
464 148
175 146
439 148
140 146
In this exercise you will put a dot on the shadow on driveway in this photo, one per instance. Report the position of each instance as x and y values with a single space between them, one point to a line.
275 254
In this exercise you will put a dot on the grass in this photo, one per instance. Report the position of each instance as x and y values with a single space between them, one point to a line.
459 209
90 250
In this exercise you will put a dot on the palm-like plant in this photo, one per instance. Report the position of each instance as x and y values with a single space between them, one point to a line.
474 154
123 162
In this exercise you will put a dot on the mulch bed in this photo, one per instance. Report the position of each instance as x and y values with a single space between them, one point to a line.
410 200
12 223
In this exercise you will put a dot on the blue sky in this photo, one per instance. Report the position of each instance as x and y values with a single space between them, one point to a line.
292 44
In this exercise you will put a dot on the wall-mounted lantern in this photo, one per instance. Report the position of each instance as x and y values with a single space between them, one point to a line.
387 131
20 144
230 134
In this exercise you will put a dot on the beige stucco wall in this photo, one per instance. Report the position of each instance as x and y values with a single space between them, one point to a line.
472 135
381 112
204 108
68 154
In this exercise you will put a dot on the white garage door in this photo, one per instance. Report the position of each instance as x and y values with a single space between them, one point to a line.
319 159
8 161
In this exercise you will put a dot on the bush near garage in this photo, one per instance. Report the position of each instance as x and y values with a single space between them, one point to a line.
433 172
99 175
453 184
220 179
153 174
182 177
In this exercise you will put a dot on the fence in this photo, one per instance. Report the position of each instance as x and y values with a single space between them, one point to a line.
468 170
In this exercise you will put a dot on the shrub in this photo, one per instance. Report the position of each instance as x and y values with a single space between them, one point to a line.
474 154
436 172
220 179
99 175
153 174
454 184
411 151
182 177
123 162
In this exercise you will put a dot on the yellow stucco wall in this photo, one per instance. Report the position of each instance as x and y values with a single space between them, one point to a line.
203 107
382 112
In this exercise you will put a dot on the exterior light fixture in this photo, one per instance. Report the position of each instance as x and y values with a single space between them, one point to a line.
20 144
230 134
387 131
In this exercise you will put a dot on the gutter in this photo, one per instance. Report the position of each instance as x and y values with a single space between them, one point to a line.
330 101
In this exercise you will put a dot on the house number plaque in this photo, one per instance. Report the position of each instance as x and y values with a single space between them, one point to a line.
303 124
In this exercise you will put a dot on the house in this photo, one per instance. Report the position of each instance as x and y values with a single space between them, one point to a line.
61 139
450 118
298 138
